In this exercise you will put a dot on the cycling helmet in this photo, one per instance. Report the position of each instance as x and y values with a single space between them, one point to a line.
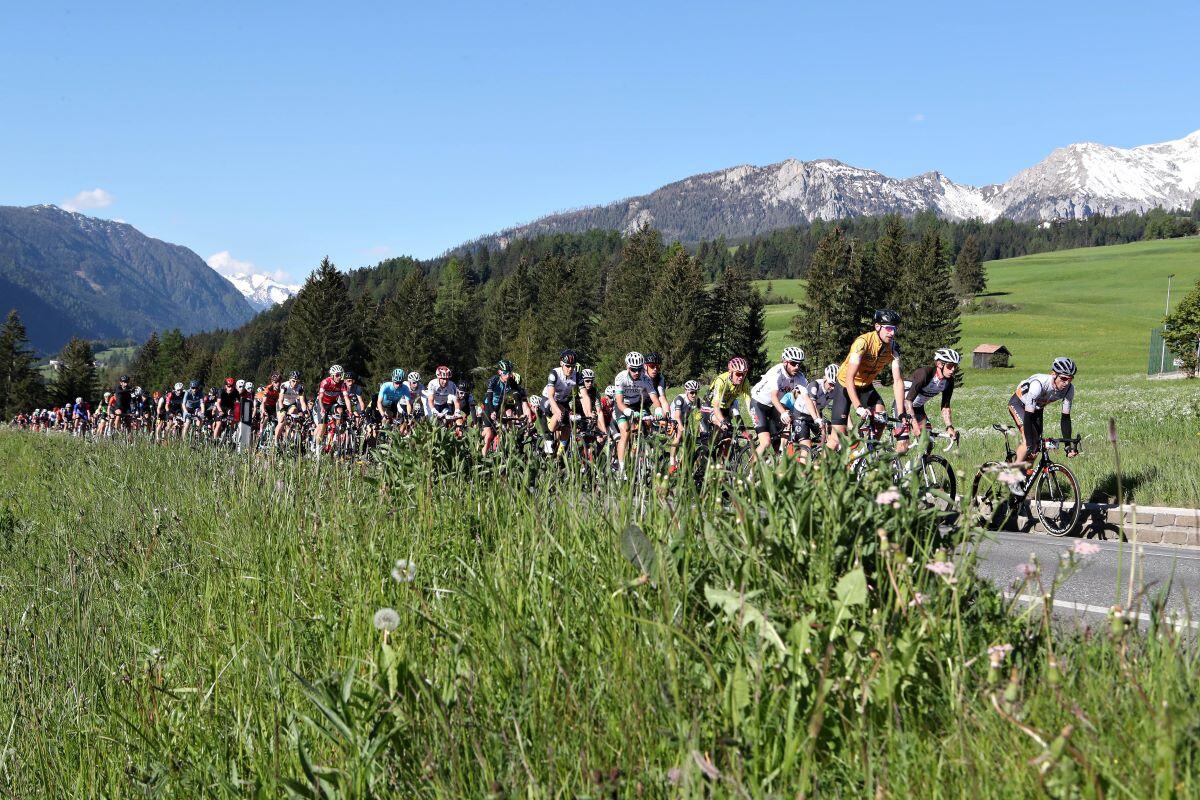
294 375
124 379
178 386
504 365
261 389
78 400
654 358
212 390
443 372
194 384
137 391
229 381
589 375
414 377
610 391
107 395
831 373
567 357
274 377
738 364
1063 366
335 370
886 316
397 375
348 376
793 354
691 386
947 354
634 359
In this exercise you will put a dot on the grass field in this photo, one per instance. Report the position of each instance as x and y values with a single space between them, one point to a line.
1098 306
182 623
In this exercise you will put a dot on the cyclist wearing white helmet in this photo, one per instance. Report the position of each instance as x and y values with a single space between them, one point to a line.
1031 398
441 395
559 394
682 407
330 392
410 403
767 407
634 393
925 384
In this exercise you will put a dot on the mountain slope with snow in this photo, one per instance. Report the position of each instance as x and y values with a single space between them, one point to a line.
261 291
1072 182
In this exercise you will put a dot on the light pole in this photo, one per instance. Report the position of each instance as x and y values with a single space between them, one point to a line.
1162 360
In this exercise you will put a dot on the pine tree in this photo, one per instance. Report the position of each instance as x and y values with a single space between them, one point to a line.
752 344
406 337
172 357
888 263
677 315
76 376
566 307
625 287
508 302
927 303
320 329
144 370
726 319
1181 330
21 387
969 277
455 319
831 313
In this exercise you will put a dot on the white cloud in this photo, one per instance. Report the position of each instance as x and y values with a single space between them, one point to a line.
379 250
917 118
89 199
224 263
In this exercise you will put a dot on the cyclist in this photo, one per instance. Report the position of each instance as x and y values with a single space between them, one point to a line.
682 408
330 392
587 402
79 416
559 392
102 412
633 391
870 354
724 394
503 392
244 414
291 397
389 396
654 374
227 400
170 407
927 383
1030 400
767 408
441 397
122 403
268 403
412 401
193 406
354 391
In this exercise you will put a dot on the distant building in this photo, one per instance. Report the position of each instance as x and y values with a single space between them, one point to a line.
987 356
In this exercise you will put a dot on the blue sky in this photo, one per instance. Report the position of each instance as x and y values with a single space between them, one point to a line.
278 133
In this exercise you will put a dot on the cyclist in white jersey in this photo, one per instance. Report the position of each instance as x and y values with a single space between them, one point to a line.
1031 398
683 406
766 398
441 395
633 392
560 390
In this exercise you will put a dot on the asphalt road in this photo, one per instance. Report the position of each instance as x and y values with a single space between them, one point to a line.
1101 580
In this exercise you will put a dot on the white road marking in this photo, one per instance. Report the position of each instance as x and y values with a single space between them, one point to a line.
1086 608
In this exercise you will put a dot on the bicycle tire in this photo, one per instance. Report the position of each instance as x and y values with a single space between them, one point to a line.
1056 499
989 501
937 474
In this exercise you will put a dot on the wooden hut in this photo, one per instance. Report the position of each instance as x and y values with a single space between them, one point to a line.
987 356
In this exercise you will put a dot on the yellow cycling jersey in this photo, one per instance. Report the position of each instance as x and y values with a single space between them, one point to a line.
873 357
722 392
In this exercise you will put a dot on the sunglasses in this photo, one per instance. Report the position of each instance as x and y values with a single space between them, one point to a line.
796 363
888 328
738 374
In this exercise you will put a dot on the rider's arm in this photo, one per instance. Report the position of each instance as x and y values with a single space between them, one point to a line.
1065 420
1030 395
851 389
897 383
619 400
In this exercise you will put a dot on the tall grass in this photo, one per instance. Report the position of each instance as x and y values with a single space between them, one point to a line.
185 624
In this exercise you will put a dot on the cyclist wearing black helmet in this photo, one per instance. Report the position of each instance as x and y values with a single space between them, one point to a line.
559 392
869 355
504 392
655 376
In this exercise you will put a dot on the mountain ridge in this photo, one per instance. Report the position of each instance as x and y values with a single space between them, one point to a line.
1072 182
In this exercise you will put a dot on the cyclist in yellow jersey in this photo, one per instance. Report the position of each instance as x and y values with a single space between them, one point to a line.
724 393
870 354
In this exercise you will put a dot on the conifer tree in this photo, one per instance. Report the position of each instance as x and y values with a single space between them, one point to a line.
831 313
320 329
21 387
76 376
144 370
726 319
969 277
172 357
406 338
677 316
752 344
926 301
509 301
455 319
565 311
625 288
888 263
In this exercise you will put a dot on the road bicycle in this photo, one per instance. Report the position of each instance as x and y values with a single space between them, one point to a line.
935 476
1048 491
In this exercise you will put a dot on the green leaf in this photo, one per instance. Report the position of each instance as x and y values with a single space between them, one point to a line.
738 610
638 549
851 591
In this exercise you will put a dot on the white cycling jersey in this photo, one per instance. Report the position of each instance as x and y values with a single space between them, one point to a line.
821 396
634 391
563 385
1038 391
776 378
290 392
439 395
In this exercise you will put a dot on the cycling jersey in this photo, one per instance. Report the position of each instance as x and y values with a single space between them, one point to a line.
723 394
681 406
79 411
563 386
873 357
924 385
821 395
173 402
776 379
226 400
1038 391
501 394
355 392
122 399
634 390
440 396
329 390
290 393
270 396
389 393
192 400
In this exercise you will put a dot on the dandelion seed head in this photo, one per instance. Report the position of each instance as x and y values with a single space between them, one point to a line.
386 619
404 571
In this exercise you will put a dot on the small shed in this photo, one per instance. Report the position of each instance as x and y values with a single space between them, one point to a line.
987 356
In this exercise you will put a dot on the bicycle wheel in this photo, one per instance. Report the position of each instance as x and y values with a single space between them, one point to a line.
989 502
741 455
938 488
1056 499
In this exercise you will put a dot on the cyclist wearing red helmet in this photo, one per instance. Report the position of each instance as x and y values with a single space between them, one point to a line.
723 396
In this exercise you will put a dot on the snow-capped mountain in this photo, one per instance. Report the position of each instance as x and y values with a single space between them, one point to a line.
261 291
1072 182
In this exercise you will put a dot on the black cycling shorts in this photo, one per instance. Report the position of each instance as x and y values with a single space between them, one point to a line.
805 427
841 402
766 418
1031 424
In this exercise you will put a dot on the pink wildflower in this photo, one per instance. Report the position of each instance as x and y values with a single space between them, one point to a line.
944 568
1086 548
888 497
